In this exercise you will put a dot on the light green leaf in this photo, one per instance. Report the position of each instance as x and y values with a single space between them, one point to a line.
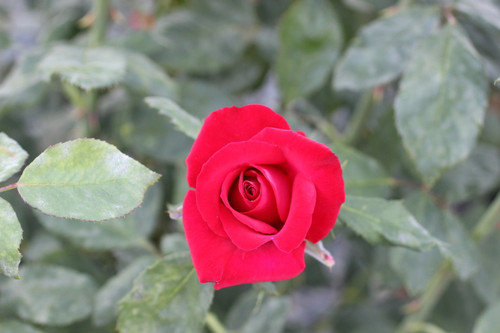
166 298
487 11
12 157
172 243
381 50
85 179
129 231
14 326
310 42
90 68
479 174
146 77
453 243
49 295
363 175
441 102
107 298
489 321
381 221
10 239
185 122
486 279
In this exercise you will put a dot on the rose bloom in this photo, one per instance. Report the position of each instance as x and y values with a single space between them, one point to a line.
259 190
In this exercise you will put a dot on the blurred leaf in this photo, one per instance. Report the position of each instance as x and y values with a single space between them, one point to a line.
85 179
200 98
257 312
369 5
49 295
129 231
491 130
454 243
12 157
441 102
146 77
479 174
14 326
88 69
10 239
107 298
172 243
363 175
381 50
486 280
180 118
23 75
196 42
484 10
166 298
489 321
310 41
381 221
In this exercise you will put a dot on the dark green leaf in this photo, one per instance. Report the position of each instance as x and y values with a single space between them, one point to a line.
310 41
10 239
12 157
166 298
49 295
107 298
441 103
381 50
381 221
486 280
363 175
14 326
85 179
487 11
181 119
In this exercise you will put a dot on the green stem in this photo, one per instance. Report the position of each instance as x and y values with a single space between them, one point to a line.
100 9
445 274
488 221
214 324
8 187
351 134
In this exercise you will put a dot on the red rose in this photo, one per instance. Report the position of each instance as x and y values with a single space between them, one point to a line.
259 191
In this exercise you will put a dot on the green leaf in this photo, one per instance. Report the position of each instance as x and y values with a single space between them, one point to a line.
487 11
107 298
381 50
12 157
49 295
441 102
478 175
381 221
197 41
453 243
10 240
180 118
486 279
254 312
166 298
172 243
363 175
14 326
146 77
310 41
129 231
489 321
85 179
88 69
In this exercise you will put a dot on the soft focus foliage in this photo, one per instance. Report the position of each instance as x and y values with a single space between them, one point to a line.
402 91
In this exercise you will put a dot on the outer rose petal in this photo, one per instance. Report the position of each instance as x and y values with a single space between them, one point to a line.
317 162
217 260
231 124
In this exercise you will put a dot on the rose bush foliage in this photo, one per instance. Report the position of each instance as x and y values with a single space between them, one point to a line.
259 191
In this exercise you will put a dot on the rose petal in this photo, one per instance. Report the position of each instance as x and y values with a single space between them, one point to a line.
322 168
227 125
241 235
299 219
281 185
216 259
229 162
